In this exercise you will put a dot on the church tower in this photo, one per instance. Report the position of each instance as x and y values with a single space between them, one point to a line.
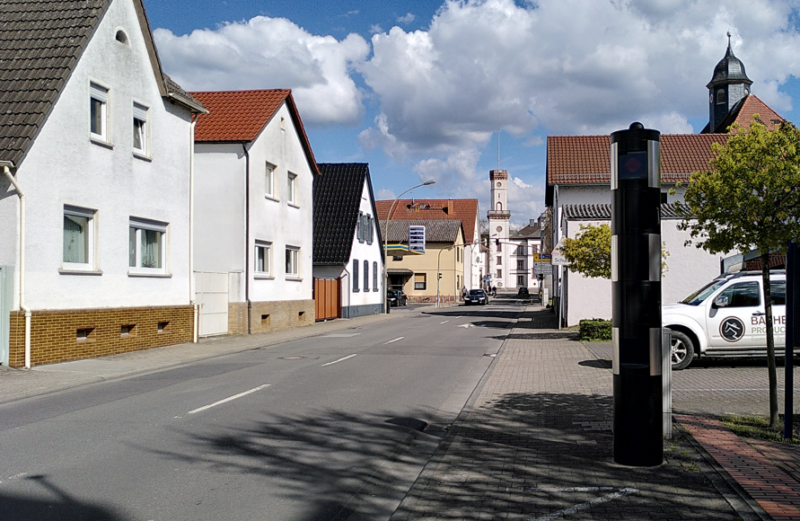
498 214
729 85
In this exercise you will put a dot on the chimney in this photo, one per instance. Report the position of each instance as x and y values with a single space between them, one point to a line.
449 209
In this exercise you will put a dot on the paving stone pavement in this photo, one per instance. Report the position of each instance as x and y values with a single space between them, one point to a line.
535 444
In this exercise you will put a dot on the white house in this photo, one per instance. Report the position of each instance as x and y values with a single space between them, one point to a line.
253 232
579 192
95 185
348 258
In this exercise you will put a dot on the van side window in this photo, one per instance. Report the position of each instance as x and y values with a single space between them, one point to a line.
743 295
777 290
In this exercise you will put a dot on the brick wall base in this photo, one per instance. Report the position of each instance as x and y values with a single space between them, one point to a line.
75 334
270 316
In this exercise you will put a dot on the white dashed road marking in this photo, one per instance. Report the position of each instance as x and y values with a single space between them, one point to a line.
339 360
395 340
229 399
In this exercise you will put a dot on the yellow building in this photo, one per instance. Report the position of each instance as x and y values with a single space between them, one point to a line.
439 271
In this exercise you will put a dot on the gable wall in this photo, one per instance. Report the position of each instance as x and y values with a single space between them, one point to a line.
64 167
365 252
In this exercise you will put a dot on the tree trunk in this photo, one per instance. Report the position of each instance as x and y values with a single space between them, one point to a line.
773 373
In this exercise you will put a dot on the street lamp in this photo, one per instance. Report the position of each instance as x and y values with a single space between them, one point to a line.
386 240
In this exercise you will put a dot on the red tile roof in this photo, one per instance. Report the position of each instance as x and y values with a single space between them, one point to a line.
464 210
239 116
586 159
747 108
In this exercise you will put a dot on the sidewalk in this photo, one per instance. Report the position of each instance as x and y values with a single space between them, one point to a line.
534 443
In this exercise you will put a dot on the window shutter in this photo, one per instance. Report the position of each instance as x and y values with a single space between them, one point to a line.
139 112
98 93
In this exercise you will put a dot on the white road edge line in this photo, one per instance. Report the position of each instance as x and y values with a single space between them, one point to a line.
251 391
395 340
445 322
583 506
339 360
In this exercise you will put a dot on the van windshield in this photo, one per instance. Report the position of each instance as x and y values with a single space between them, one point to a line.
699 296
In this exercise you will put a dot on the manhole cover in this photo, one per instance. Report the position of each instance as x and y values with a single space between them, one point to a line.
291 357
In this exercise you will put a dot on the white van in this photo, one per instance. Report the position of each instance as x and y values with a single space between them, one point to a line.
726 317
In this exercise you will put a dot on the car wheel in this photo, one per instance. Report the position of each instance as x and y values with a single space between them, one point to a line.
682 351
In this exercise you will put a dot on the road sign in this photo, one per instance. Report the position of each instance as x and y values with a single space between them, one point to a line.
416 238
541 257
542 268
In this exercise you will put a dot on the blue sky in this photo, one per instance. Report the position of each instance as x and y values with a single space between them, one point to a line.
419 89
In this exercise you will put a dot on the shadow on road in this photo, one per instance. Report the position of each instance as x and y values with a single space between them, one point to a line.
60 506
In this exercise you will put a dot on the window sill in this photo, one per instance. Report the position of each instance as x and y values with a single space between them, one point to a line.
151 275
295 279
271 198
293 205
142 156
67 271
100 141
262 276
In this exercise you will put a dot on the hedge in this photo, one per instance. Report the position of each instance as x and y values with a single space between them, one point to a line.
595 329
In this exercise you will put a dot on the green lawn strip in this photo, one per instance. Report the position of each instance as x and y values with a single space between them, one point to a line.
757 427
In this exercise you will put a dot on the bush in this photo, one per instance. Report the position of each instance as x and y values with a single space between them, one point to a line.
595 329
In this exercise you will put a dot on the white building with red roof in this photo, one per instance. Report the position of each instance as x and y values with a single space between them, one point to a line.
578 193
254 216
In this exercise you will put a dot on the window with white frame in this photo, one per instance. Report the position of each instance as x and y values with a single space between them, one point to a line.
269 181
292 262
263 258
291 194
78 238
140 129
147 246
98 112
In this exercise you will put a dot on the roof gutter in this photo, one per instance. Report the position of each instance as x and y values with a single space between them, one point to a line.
7 166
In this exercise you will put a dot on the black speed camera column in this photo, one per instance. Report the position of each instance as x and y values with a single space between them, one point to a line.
636 296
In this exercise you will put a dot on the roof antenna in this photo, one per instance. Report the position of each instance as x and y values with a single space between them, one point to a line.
498 150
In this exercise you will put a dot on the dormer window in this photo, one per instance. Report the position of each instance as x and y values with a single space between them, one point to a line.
720 96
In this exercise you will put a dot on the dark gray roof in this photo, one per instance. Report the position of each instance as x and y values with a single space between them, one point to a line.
602 212
337 200
41 41
730 69
435 230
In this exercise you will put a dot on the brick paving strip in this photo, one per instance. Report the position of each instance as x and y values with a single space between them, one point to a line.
775 490
534 444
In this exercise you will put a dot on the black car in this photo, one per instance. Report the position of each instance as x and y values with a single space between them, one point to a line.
476 296
396 297
523 293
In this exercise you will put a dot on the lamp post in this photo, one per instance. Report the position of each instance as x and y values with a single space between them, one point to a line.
386 243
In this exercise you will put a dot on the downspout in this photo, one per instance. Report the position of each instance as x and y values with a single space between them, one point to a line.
349 290
22 306
247 237
192 287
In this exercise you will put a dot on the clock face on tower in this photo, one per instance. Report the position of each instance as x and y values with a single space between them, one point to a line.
499 184
499 228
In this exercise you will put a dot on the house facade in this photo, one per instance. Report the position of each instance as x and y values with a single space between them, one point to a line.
578 193
95 183
436 274
253 231
348 252
464 210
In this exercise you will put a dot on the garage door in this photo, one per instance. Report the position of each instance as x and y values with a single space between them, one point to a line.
212 296
6 287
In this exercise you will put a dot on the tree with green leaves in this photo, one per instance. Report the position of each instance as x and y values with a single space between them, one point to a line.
749 198
590 252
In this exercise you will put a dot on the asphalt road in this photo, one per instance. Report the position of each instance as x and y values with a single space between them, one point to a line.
327 428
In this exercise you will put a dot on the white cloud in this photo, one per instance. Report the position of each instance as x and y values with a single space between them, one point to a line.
384 194
375 28
574 66
406 19
264 53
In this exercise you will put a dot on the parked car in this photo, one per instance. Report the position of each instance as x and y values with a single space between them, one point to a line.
476 296
523 293
726 317
396 297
